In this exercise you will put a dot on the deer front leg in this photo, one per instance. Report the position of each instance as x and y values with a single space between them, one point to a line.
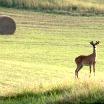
94 68
90 71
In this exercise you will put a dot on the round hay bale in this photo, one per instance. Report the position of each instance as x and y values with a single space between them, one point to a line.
7 25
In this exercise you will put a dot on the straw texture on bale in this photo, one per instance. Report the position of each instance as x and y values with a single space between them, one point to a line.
7 25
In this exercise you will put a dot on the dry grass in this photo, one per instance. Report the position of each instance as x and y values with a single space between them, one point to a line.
66 6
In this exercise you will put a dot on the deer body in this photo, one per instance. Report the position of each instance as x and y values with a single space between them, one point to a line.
85 60
88 60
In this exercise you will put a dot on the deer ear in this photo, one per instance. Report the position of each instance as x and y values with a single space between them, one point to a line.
97 42
91 42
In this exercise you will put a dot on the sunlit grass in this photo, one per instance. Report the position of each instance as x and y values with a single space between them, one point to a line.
80 91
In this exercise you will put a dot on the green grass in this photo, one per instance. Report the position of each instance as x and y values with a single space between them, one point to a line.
37 62
71 7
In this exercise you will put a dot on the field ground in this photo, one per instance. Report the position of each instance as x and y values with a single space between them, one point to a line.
37 62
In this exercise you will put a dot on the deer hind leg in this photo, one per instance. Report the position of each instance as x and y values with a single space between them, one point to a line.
94 68
77 70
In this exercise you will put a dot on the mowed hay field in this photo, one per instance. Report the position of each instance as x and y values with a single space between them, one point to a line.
37 62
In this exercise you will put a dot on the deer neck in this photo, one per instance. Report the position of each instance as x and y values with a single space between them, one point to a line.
94 52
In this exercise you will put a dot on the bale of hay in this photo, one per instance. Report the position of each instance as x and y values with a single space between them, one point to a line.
7 25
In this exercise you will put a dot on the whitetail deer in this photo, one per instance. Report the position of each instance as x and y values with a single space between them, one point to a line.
88 60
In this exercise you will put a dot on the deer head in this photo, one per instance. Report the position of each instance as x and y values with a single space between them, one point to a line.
94 44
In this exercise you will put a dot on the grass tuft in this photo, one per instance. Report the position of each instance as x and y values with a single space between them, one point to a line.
81 92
